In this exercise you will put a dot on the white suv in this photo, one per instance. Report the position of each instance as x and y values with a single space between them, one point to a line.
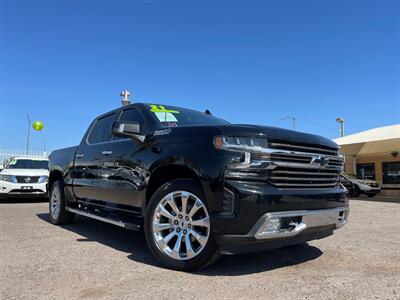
25 176
364 186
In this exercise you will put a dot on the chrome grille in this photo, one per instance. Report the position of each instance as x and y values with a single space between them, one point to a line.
304 148
303 166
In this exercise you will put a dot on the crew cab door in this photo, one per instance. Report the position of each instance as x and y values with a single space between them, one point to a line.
122 172
87 173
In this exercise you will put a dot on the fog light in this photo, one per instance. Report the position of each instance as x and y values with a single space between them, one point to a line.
273 225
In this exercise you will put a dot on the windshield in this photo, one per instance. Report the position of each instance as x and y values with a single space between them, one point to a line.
28 164
171 116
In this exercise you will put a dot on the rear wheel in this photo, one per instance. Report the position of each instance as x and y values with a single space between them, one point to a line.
58 214
177 226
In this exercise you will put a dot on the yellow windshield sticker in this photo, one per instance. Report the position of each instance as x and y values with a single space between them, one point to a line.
162 109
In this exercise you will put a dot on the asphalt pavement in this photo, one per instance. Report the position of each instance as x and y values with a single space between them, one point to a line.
90 259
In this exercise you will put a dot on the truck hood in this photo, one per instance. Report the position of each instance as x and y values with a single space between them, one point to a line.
25 172
271 133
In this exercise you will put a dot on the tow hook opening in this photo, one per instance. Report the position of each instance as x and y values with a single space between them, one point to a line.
282 224
290 223
342 216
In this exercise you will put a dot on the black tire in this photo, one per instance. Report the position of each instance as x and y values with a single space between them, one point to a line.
62 216
352 192
208 255
357 191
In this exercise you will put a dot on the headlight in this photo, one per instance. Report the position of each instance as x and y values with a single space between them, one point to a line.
43 179
9 178
241 144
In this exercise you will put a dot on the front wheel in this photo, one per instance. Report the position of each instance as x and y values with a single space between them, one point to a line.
356 192
177 226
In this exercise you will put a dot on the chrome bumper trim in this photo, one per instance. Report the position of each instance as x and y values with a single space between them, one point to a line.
309 218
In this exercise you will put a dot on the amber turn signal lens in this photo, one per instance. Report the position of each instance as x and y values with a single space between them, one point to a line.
218 142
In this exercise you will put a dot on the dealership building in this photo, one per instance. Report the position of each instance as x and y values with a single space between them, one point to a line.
374 154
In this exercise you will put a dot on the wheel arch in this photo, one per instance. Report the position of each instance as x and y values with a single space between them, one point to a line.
55 175
166 173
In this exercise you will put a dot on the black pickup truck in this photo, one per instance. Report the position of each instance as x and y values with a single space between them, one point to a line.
198 185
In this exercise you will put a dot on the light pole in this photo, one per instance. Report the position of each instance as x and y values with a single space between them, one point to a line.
293 120
29 131
341 122
125 97
44 143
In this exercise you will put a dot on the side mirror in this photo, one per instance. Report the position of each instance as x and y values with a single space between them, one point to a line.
127 129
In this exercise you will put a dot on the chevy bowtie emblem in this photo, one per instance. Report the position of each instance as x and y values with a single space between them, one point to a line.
27 179
320 160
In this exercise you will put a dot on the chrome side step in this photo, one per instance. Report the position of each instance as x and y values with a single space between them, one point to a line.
119 223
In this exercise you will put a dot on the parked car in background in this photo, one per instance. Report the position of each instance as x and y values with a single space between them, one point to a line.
363 186
351 188
25 176
198 185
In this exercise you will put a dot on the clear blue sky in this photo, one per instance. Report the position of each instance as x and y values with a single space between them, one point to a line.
65 62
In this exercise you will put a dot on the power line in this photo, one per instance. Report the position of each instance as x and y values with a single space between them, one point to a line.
310 122
317 124
293 121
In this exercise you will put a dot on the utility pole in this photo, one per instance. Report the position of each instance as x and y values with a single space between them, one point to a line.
293 121
29 131
341 122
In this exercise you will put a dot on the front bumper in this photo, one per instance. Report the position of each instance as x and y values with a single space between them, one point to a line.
291 223
254 199
278 229
372 191
369 189
304 215
21 190
244 244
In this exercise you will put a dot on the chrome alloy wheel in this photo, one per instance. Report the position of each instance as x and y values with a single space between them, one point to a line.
181 225
55 202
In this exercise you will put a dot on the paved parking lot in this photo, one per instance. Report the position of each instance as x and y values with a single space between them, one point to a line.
90 259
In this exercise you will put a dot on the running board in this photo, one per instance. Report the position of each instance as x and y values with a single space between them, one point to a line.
119 223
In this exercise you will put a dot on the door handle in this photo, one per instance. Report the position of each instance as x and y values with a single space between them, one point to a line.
80 155
106 152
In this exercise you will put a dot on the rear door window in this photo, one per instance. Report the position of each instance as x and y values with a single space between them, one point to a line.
101 130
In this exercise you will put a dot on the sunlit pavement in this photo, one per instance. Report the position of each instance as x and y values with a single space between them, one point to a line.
90 259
